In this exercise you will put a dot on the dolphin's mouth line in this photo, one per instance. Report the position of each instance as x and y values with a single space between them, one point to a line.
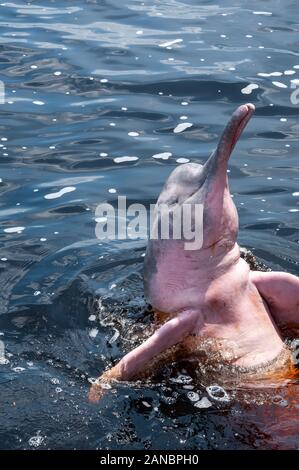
242 123
232 132
238 131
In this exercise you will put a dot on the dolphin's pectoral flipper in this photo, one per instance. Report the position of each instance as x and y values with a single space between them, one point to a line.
169 334
141 359
280 290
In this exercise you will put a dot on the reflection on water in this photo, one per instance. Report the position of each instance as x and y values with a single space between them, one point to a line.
94 91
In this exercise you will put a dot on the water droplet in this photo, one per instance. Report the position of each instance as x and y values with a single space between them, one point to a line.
203 403
218 393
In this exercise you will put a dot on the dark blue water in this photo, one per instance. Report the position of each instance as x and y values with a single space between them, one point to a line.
79 77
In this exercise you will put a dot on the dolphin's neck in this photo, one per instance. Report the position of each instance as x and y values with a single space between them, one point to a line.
218 259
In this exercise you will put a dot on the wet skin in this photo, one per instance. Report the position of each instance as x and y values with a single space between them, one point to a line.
210 292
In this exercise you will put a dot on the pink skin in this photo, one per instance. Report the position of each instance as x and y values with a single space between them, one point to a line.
210 292
281 292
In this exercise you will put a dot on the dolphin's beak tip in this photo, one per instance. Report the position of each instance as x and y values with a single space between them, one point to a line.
245 110
250 107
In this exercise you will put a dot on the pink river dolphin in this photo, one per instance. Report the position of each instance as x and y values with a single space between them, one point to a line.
208 298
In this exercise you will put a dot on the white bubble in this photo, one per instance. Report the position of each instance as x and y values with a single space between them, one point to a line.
162 156
112 190
14 229
182 127
114 337
133 134
38 103
18 369
280 85
203 403
193 396
218 393
265 13
170 43
60 193
146 404
104 80
249 88
182 160
271 74
93 332
125 159
3 361
103 154
57 73
36 441
105 386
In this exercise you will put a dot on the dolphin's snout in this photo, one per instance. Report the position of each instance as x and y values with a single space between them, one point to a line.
233 131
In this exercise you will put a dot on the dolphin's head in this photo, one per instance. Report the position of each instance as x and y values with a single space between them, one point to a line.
208 185
170 269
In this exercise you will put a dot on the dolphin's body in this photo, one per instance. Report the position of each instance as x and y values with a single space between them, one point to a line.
210 293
